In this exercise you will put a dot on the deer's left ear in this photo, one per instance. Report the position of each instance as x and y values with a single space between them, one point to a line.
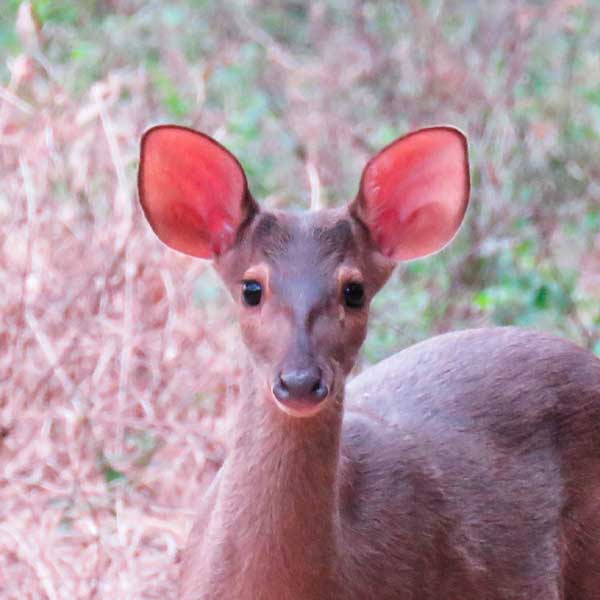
413 194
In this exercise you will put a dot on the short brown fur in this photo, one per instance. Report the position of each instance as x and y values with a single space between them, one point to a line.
466 467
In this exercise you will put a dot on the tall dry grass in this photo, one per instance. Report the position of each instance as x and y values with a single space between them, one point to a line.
111 378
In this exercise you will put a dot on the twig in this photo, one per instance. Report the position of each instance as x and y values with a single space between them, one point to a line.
315 185
17 102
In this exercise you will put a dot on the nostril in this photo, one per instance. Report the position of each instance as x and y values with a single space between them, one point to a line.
280 390
320 391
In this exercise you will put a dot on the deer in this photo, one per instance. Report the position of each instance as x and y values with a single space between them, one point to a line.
464 467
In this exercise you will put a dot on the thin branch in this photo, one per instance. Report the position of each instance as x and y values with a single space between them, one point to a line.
314 183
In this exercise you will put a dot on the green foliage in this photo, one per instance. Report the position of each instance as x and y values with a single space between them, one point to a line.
112 476
175 103
64 12
274 81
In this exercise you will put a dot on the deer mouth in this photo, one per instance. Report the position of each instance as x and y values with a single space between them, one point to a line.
300 407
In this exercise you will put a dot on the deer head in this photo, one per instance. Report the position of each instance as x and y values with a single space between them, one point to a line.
303 282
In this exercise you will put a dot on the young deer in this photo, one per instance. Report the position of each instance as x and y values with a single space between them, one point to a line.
464 468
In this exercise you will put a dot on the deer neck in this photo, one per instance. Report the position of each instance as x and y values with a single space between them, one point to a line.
279 495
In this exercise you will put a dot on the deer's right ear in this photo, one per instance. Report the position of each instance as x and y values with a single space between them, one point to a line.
193 191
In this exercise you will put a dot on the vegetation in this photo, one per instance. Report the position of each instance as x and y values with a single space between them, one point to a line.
116 357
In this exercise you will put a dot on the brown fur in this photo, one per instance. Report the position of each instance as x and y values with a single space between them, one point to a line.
464 468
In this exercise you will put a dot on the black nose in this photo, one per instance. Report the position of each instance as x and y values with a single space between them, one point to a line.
300 384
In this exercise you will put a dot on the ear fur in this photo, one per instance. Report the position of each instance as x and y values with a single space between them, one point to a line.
414 193
193 191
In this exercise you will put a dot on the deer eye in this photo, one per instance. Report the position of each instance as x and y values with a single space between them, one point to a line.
354 295
252 292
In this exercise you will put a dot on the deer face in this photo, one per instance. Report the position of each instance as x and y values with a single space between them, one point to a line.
303 281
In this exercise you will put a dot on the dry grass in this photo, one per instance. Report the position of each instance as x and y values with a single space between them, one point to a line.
104 439
118 356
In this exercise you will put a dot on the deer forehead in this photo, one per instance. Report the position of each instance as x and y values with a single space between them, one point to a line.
304 246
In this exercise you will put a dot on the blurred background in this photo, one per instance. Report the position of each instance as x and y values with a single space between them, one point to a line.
118 357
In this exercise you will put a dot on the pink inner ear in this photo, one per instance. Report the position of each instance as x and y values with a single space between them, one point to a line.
415 192
192 190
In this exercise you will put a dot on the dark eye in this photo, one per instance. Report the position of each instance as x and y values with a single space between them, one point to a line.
354 295
252 292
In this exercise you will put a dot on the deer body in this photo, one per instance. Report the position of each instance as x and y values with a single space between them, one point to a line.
464 468
432 484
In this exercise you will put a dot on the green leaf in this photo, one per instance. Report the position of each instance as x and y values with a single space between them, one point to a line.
483 300
541 297
592 220
112 475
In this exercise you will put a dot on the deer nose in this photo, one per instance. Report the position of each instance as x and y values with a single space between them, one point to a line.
300 384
